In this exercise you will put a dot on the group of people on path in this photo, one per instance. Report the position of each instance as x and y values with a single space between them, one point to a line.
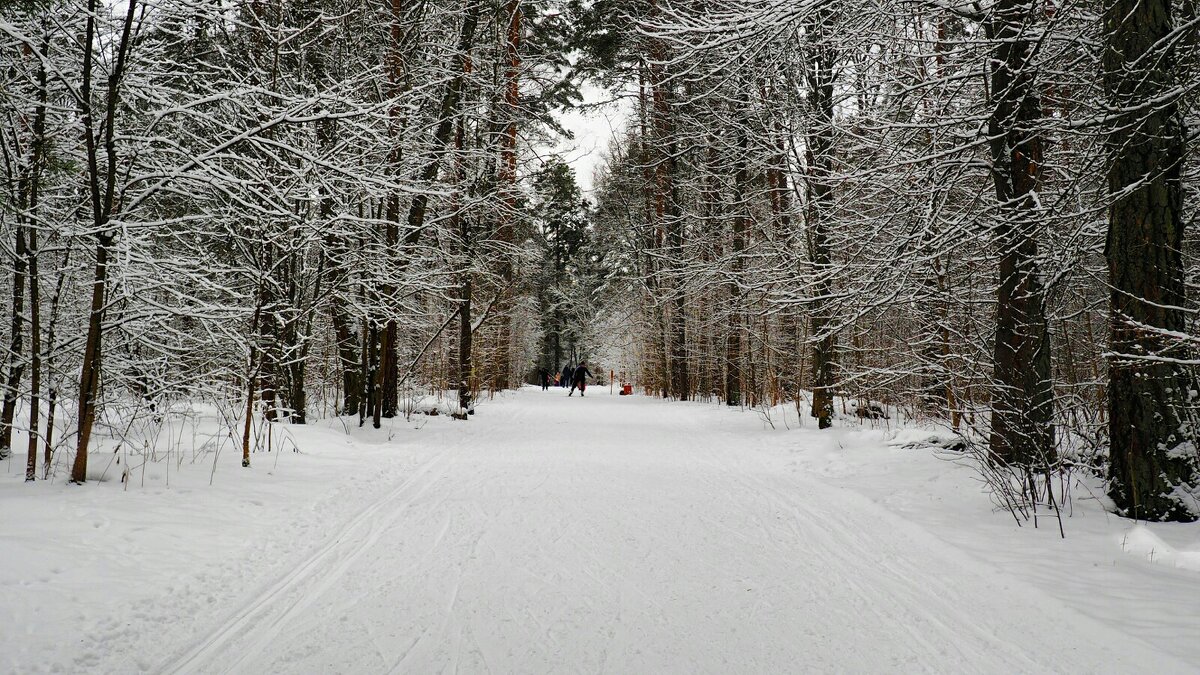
576 376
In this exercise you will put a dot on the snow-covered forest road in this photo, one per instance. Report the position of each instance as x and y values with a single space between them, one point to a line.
605 534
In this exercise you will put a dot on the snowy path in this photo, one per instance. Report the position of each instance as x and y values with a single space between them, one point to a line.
624 535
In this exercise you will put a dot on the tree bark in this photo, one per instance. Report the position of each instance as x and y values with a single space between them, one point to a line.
733 346
1023 399
820 192
1154 472
16 355
507 185
35 306
102 188
451 98
35 357
668 219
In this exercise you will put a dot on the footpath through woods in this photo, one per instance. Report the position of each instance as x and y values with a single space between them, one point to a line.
603 534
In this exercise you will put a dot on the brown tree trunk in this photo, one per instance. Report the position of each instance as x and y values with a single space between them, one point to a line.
1154 470
820 191
35 306
52 401
464 345
733 346
668 218
89 380
102 188
461 226
507 185
35 358
786 372
451 99
16 355
1023 399
348 359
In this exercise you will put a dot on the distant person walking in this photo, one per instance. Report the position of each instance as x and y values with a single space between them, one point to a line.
580 378
544 376
567 372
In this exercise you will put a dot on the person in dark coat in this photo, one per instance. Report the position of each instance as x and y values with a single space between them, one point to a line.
580 378
567 372
544 376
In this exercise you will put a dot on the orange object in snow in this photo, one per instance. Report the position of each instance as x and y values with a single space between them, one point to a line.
626 389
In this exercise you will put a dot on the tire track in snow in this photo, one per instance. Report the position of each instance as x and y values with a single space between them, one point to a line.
340 551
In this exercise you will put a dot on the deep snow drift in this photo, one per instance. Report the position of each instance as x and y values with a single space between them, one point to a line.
555 534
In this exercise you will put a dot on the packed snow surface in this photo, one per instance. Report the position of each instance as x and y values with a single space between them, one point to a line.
603 534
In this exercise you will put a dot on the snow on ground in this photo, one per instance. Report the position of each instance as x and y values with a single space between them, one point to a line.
552 534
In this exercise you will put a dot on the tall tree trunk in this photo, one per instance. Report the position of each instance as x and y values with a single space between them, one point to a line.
102 188
254 361
335 281
89 380
371 353
451 98
820 192
52 401
464 345
1023 400
507 185
1154 471
461 226
269 359
348 359
653 235
33 192
35 358
780 193
733 347
16 353
668 217
387 382
306 306
388 400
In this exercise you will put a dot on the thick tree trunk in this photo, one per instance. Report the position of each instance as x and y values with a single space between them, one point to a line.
669 221
1023 399
388 402
507 185
1154 471
820 192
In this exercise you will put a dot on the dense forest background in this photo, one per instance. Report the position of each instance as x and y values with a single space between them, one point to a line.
971 214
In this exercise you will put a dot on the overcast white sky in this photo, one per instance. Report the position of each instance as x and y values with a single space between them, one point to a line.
593 130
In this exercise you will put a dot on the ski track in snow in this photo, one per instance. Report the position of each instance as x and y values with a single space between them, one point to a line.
555 534
620 535
310 578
